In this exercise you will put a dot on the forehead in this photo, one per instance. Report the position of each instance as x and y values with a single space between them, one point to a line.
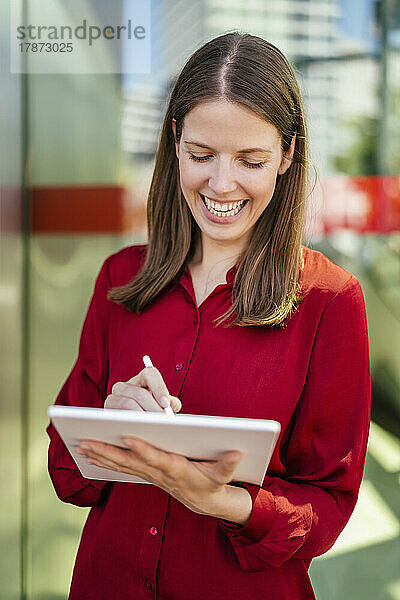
220 122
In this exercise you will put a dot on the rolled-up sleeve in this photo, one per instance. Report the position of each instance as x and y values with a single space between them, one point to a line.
302 514
85 386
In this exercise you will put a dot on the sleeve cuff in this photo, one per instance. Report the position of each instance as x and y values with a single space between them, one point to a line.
65 462
261 517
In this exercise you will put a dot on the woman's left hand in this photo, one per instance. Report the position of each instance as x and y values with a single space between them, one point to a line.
200 486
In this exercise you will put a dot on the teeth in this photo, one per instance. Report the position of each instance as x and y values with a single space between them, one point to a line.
222 207
222 210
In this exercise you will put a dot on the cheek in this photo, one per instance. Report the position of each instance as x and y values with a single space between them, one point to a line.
264 187
191 177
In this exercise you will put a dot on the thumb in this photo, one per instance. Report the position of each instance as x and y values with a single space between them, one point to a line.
227 464
176 404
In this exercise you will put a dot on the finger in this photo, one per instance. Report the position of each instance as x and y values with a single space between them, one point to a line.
152 456
112 456
151 378
122 460
122 402
141 395
106 463
103 463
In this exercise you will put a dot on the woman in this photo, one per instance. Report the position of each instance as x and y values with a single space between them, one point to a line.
240 320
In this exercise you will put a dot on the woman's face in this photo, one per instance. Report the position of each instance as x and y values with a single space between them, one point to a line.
229 159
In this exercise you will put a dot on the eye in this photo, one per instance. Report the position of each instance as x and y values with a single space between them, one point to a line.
253 165
246 163
199 158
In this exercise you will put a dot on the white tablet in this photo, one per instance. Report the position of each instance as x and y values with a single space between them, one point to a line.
194 436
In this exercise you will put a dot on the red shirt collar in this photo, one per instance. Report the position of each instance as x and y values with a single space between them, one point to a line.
230 275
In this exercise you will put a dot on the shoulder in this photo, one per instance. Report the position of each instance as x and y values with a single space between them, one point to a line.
333 303
123 265
323 281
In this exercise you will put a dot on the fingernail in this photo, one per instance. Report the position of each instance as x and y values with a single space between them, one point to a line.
164 402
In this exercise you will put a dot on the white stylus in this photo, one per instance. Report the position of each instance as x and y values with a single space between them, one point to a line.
147 363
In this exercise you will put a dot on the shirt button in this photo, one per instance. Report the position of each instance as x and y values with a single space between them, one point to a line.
153 530
195 321
148 584
178 366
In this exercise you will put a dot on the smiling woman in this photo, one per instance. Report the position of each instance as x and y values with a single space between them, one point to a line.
224 188
242 320
230 134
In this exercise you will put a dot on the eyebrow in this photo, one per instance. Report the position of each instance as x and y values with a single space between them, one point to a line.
243 151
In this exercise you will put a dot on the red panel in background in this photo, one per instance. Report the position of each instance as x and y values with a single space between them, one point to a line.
383 194
105 209
363 204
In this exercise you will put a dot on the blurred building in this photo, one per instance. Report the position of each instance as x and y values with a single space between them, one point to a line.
304 31
333 45
141 119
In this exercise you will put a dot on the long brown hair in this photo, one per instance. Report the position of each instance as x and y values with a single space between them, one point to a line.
254 73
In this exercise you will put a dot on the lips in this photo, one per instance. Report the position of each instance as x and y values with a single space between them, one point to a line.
224 218
223 202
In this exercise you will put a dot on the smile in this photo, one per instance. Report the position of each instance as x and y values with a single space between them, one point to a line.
223 210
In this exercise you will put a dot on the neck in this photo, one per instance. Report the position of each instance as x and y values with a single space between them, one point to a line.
215 257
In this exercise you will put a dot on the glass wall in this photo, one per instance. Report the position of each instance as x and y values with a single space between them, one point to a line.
12 364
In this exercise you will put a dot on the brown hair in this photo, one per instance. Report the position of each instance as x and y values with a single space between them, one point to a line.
246 69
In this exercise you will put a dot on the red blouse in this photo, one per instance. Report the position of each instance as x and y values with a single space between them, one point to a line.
313 376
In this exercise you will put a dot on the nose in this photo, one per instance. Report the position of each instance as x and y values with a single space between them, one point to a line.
221 180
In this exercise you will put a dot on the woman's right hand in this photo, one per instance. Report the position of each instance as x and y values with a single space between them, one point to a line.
144 392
